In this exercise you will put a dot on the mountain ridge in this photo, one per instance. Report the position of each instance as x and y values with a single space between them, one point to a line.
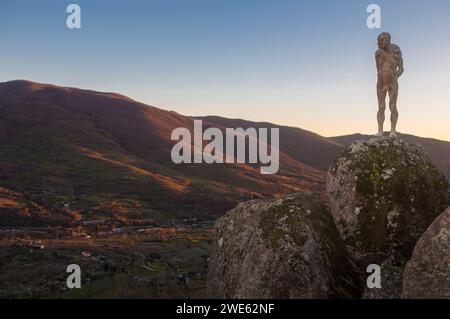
83 154
82 150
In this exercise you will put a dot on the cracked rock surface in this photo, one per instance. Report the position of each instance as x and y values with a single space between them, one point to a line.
284 248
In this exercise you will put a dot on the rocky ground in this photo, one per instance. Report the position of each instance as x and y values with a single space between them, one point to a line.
384 194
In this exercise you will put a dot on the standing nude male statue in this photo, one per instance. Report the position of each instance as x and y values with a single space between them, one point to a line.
390 67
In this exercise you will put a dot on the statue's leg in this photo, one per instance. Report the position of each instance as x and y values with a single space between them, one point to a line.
393 94
381 92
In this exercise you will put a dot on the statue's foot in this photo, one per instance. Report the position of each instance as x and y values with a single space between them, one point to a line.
393 134
380 134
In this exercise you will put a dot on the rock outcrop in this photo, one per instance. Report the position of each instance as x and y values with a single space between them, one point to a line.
284 248
384 193
427 274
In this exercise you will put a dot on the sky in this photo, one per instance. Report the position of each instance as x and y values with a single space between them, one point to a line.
302 63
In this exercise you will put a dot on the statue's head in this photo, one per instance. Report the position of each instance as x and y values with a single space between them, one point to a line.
384 40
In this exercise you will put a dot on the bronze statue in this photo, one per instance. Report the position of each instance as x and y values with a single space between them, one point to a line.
390 67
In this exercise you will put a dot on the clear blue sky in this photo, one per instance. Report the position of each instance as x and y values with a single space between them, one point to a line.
302 63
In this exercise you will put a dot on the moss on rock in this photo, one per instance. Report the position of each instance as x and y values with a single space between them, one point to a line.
285 248
384 194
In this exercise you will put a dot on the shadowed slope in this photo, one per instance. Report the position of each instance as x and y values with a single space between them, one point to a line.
82 149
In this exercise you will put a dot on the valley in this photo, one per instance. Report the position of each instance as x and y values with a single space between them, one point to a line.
86 178
165 262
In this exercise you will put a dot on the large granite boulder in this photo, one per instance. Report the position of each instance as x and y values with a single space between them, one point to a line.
384 194
427 274
284 248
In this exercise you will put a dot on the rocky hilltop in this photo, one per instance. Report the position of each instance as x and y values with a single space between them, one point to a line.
384 193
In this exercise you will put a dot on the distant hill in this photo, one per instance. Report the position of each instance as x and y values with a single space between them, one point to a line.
319 152
70 154
106 156
304 146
